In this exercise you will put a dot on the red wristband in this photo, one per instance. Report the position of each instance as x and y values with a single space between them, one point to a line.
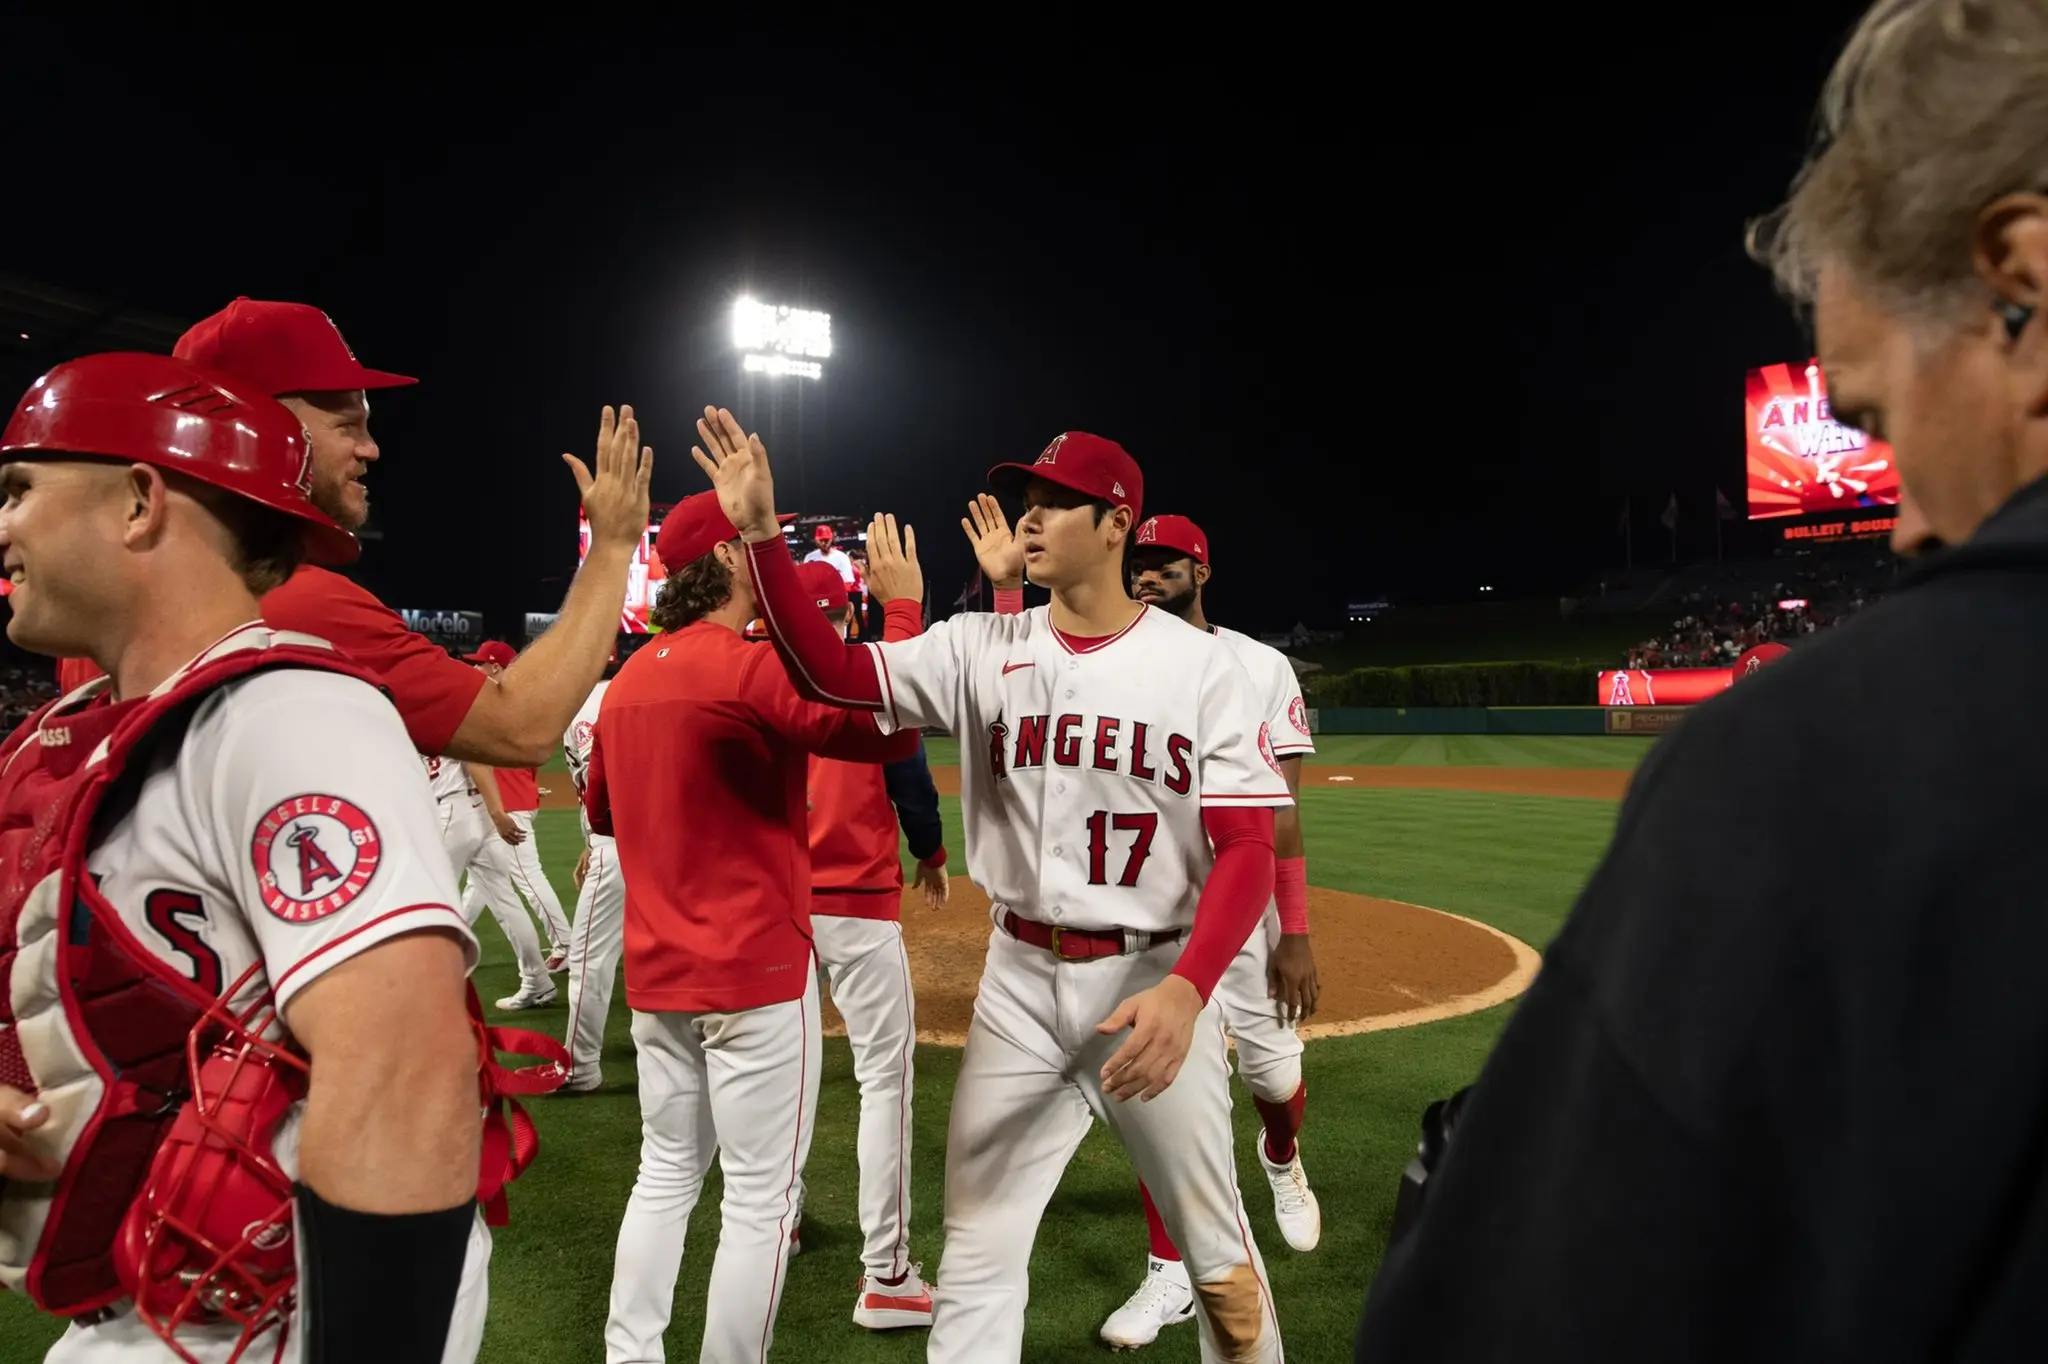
937 859
1009 601
1290 889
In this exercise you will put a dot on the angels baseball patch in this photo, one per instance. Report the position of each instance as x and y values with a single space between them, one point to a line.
1266 747
1297 711
314 854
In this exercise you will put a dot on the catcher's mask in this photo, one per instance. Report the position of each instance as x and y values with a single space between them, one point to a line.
212 1239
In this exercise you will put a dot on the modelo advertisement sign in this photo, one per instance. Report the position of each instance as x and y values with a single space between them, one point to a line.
458 630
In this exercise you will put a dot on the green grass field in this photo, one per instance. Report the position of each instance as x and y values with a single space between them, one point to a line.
1515 862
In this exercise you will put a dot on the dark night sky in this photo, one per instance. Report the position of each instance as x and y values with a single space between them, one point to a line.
1412 310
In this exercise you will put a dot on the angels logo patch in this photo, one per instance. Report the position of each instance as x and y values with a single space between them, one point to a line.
314 855
1266 748
1297 711
1148 534
584 729
1051 453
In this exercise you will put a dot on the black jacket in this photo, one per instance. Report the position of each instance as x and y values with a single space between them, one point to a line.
1780 1091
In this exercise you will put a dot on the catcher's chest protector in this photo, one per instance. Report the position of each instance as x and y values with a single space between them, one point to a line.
91 1022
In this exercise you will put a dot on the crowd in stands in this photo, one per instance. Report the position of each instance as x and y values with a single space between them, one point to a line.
1726 618
23 689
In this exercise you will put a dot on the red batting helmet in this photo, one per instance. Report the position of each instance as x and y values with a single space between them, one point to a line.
152 409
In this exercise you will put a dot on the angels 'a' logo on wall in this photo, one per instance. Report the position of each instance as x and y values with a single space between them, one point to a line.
1051 453
1148 534
1297 711
313 855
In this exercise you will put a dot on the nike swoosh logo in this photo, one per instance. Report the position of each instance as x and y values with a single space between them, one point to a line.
1009 668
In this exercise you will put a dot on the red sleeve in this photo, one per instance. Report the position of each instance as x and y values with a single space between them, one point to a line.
1235 896
1009 601
597 796
431 690
828 731
822 666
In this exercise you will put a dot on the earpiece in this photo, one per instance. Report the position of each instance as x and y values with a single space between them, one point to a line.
2016 315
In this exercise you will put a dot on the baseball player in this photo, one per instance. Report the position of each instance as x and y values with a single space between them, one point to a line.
1271 985
697 768
856 912
225 840
488 882
519 791
293 352
597 937
1111 774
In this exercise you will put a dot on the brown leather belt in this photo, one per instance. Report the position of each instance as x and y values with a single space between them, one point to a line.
1084 944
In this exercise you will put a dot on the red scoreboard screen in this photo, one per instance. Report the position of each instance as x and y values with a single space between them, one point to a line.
1802 462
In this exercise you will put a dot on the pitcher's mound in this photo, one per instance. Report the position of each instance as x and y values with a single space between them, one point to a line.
1380 964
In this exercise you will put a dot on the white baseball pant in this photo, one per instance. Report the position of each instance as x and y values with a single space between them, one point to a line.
1029 1080
464 826
870 975
125 1340
531 880
744 1087
596 941
490 883
1268 1051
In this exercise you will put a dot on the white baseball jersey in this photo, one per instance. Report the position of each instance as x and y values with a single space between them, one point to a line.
1276 692
290 827
836 557
576 749
1084 770
448 778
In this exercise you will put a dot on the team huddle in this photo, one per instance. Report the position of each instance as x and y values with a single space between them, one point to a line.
241 1069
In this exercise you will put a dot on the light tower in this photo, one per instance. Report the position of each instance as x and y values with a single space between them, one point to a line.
783 351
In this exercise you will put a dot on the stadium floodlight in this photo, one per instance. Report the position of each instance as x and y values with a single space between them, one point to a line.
777 340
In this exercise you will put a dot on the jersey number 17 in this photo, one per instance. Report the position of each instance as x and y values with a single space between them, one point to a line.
1144 825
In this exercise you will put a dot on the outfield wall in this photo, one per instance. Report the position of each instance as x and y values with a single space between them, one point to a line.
1464 720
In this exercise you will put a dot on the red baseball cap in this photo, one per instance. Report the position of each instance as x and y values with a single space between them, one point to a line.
282 347
823 584
1175 533
824 535
1090 465
691 531
493 651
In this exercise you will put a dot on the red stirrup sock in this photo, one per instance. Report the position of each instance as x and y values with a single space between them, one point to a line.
1283 1122
1162 1244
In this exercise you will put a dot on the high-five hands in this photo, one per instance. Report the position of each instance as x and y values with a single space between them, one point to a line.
1000 554
738 466
893 570
615 497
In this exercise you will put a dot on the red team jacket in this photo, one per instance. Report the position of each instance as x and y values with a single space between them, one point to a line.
855 868
698 768
431 690
520 789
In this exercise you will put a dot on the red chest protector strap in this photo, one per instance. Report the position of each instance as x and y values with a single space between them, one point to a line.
510 1139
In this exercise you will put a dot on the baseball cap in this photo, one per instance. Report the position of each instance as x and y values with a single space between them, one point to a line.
1175 533
1089 465
823 585
824 535
493 651
696 526
282 347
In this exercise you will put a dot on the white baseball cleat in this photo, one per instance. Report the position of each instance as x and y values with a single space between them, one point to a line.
1294 1203
893 1307
528 998
1164 1299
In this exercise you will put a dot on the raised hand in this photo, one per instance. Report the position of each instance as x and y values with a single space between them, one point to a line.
615 497
998 552
738 465
893 570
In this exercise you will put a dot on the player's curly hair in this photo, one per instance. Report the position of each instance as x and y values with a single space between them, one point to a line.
691 593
